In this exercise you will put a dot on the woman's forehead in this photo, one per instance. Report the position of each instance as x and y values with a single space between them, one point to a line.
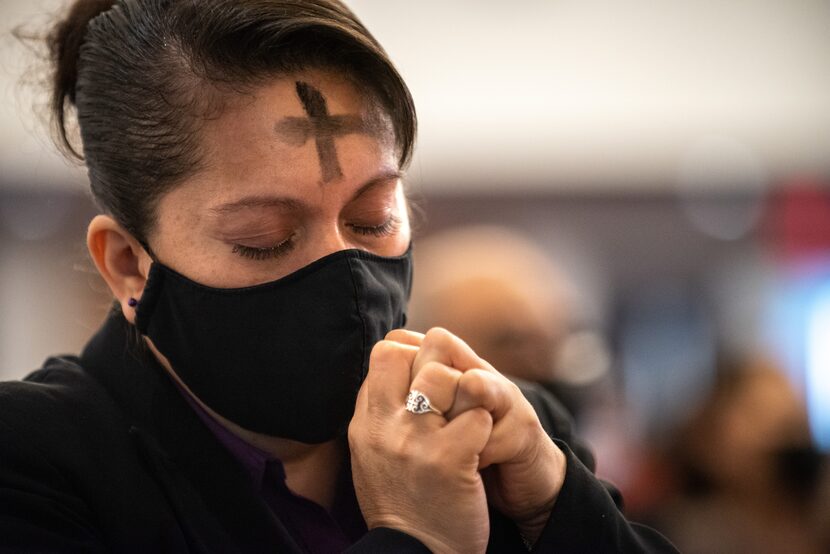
294 134
294 111
319 97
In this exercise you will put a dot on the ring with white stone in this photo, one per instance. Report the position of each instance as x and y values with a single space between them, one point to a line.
418 403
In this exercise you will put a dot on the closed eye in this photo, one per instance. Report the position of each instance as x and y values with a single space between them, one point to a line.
266 253
388 227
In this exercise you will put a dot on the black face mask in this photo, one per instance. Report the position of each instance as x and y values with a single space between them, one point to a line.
284 358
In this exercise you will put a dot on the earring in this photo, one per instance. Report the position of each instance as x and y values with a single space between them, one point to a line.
132 302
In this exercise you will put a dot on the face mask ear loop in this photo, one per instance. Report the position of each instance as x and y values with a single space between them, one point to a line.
144 244
132 302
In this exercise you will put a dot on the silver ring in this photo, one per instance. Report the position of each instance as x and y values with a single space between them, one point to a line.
418 403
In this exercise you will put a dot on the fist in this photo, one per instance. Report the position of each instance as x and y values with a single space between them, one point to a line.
418 473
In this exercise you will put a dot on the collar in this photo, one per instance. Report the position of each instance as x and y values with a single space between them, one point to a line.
258 463
176 446
186 440
118 359
254 460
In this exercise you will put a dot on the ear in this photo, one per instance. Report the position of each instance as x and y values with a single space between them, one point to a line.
120 259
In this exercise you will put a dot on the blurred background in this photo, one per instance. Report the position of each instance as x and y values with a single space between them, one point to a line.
630 205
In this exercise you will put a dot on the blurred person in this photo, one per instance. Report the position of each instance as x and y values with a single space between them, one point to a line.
502 294
252 389
748 476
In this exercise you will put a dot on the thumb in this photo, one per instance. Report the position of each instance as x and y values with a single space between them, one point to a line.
468 434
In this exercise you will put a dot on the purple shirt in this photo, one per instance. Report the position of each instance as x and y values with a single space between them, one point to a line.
313 527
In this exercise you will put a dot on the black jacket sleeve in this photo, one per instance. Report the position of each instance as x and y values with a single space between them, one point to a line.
38 510
585 518
383 540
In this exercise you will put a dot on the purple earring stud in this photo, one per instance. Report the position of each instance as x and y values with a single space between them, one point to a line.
132 302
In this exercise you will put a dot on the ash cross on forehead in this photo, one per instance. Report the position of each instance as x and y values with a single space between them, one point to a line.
322 126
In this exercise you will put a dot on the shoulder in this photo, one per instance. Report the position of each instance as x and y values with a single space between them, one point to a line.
56 411
60 393
54 426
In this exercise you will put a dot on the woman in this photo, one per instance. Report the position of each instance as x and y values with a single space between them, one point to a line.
247 159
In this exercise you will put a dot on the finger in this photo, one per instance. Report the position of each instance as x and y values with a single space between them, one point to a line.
387 381
438 383
405 336
479 388
439 345
513 439
466 436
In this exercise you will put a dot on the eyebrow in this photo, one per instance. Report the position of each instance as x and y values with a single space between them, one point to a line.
378 180
256 201
267 201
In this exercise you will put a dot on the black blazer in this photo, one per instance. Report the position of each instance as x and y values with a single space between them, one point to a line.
101 453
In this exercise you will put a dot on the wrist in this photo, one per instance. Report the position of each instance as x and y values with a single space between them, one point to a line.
531 530
531 523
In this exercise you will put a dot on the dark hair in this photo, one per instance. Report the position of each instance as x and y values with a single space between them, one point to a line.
142 74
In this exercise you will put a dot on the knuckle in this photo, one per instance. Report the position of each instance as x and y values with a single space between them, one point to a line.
474 384
355 434
438 336
438 374
431 367
391 335
382 351
532 423
403 334
482 417
512 387
527 414
352 432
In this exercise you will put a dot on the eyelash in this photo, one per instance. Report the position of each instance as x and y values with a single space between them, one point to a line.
253 253
385 229
388 227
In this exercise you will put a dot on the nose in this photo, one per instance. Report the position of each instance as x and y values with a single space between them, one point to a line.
328 239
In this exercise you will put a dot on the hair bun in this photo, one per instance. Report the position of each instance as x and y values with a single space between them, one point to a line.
64 42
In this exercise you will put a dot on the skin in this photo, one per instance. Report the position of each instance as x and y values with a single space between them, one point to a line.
261 208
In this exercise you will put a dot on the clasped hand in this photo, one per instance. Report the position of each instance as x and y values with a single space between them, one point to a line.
431 475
